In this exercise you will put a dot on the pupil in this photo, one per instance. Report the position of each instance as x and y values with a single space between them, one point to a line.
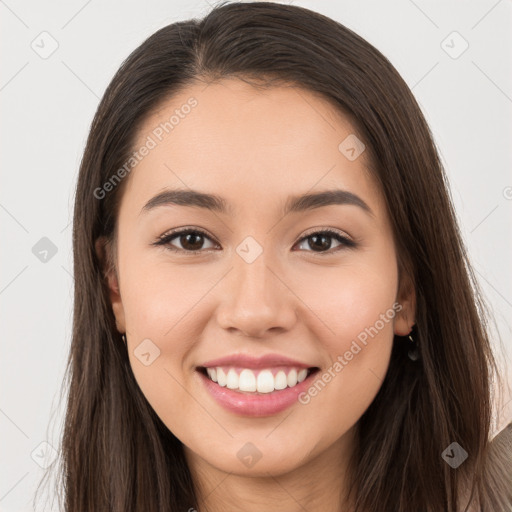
191 240
323 241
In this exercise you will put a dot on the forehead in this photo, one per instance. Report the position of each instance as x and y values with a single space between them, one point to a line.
230 134
228 111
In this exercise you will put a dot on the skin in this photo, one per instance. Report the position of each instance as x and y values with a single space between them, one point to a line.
255 148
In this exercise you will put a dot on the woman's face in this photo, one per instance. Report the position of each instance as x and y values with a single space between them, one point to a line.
264 280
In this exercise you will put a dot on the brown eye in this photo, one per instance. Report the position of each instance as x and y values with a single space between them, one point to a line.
189 240
321 241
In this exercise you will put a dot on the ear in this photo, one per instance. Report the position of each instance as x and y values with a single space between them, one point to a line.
105 256
406 317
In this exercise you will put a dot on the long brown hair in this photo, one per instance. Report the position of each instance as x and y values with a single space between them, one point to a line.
116 452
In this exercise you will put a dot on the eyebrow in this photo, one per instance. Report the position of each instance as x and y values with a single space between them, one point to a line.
215 203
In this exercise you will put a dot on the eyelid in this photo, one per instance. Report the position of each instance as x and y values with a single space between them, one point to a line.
183 230
314 231
345 240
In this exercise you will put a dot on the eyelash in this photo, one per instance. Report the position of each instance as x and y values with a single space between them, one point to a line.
168 237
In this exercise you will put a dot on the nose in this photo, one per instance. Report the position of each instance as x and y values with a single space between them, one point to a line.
256 299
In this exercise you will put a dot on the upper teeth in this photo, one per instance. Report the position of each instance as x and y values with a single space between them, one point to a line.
263 382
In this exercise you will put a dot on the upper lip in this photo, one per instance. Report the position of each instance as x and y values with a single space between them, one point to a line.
246 361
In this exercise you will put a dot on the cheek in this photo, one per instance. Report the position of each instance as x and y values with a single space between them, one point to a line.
353 323
344 302
341 393
159 309
158 298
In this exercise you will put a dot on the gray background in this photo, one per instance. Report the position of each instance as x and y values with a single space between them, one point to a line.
47 106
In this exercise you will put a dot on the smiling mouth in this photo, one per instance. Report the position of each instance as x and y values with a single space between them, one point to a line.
257 381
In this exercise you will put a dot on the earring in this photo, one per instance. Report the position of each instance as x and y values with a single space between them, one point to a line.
123 337
413 353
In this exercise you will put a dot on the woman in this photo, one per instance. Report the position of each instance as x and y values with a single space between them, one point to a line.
273 304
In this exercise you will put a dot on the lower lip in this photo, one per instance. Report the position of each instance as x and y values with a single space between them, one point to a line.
264 404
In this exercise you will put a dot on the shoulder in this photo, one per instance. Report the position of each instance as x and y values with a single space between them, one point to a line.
498 469
495 489
504 436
